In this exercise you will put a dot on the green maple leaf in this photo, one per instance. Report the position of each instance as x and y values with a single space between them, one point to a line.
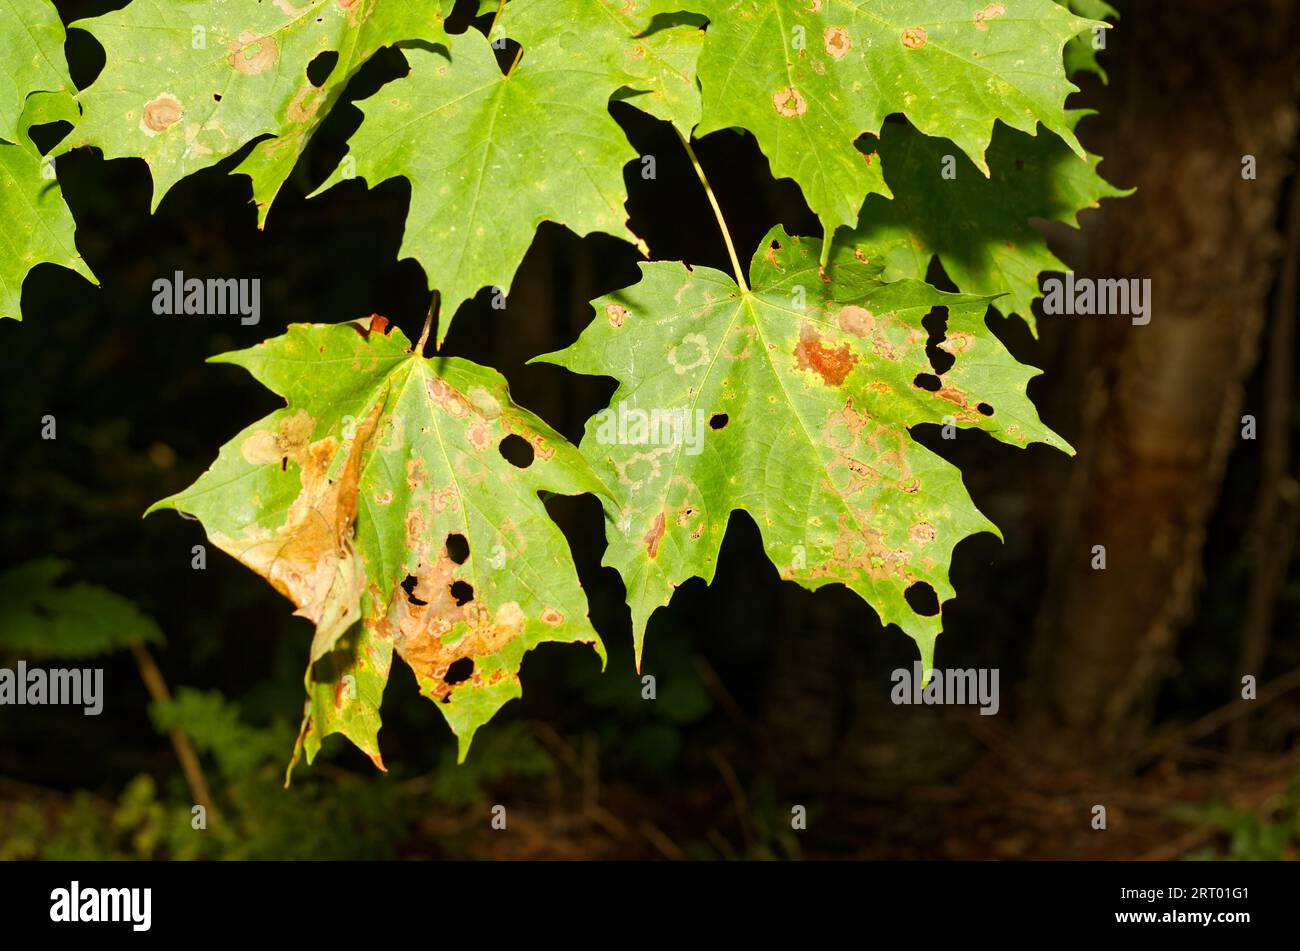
378 500
42 616
1080 55
38 226
808 77
188 84
31 48
489 157
35 89
652 66
797 398
979 227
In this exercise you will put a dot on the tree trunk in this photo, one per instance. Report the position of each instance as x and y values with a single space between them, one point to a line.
1199 87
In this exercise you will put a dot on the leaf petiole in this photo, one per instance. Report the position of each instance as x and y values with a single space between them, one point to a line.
717 211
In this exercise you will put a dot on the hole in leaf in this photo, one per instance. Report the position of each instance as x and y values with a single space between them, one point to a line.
718 420
517 451
506 50
319 69
216 97
936 322
927 381
408 585
921 598
463 592
459 671
457 548
284 463
985 408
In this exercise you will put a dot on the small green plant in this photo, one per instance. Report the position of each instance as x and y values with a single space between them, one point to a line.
1268 834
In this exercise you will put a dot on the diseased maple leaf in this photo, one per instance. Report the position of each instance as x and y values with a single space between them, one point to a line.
793 401
808 77
979 227
380 502
490 156
188 84
649 64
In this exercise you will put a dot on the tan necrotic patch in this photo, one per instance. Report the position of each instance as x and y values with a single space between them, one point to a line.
837 41
251 54
789 102
161 113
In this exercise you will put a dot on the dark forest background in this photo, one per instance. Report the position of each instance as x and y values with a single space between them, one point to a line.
1119 687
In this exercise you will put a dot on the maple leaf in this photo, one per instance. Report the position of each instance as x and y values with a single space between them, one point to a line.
808 78
31 49
35 89
380 502
39 228
188 84
490 156
979 227
793 402
650 65
1080 52
43 615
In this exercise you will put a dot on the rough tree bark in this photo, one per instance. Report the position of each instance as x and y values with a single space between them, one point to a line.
1199 85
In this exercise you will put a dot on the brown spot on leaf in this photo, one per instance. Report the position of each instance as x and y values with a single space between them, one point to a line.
305 103
988 13
832 365
956 342
615 314
855 320
922 533
478 436
415 474
251 54
653 537
789 102
541 448
289 440
552 617
447 399
914 37
414 530
161 113
510 616
837 41
956 397
772 248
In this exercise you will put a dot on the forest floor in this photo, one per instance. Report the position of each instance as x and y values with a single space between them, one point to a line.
1002 806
